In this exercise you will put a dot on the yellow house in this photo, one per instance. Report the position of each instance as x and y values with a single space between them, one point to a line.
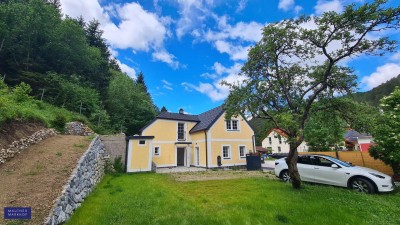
178 139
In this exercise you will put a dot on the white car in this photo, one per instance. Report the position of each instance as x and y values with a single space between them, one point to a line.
328 170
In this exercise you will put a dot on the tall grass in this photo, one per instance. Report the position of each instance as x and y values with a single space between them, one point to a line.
16 104
157 199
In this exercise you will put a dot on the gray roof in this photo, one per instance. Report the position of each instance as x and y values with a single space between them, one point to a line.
177 116
204 120
207 119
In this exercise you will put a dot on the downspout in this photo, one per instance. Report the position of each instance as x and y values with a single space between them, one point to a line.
254 143
205 133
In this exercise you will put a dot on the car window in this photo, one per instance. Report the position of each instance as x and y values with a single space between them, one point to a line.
304 160
320 161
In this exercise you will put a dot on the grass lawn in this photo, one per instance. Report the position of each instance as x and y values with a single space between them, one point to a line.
149 198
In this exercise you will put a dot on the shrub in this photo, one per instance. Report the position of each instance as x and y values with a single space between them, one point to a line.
118 166
59 123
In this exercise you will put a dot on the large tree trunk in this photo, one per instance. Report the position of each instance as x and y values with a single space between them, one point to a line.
291 161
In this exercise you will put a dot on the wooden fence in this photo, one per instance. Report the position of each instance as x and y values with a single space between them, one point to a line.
359 159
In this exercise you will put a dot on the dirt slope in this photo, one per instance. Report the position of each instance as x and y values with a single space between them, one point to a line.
35 177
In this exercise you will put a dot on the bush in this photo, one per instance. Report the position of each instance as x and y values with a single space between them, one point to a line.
59 123
118 166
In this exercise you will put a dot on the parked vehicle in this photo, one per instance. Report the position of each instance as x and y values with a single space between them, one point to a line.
328 170
278 155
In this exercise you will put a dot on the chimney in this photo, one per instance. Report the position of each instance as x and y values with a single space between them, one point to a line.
181 111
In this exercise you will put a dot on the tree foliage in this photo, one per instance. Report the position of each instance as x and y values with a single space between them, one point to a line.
295 65
387 132
64 60
129 106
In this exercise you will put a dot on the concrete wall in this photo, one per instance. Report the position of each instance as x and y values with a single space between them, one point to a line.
87 173
115 145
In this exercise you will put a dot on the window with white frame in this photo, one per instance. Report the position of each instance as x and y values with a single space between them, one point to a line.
270 140
156 150
242 151
181 131
142 142
232 124
279 149
226 152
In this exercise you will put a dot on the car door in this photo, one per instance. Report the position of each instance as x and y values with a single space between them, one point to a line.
305 168
324 173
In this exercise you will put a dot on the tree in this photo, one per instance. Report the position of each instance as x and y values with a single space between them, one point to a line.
387 133
295 65
163 109
324 131
129 106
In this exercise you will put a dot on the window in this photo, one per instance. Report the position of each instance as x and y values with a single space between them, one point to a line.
242 151
279 149
226 152
280 139
304 160
142 142
232 124
270 140
181 131
157 150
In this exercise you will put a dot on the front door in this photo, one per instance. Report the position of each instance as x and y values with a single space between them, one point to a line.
180 156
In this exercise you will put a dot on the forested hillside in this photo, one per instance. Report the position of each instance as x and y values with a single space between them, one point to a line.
67 63
373 96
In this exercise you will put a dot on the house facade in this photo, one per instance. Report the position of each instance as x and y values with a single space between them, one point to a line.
179 139
276 142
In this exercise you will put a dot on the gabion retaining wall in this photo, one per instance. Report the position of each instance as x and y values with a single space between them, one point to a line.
17 146
87 173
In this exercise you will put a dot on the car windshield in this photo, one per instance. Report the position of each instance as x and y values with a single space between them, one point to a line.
338 161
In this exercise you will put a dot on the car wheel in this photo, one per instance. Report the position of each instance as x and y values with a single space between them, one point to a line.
285 177
362 185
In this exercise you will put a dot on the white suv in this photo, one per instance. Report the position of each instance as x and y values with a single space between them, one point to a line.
328 170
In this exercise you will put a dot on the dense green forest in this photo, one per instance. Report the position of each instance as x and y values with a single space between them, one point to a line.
67 63
373 96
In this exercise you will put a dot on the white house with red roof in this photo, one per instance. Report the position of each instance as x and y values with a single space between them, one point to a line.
276 142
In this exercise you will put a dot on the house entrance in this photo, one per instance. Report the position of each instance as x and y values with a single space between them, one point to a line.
180 154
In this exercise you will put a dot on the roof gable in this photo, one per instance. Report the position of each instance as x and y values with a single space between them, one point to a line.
207 119
278 131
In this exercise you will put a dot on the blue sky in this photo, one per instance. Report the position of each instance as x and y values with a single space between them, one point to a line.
186 47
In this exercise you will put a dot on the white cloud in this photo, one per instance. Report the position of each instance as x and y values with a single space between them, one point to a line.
235 52
286 5
326 6
234 40
167 85
89 9
136 29
395 57
241 6
166 57
127 69
215 91
381 75
193 13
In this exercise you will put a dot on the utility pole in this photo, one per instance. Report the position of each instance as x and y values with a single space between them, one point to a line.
4 78
41 98
80 108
